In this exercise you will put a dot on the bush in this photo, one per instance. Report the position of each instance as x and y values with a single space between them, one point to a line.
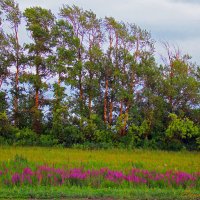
198 142
69 135
182 130
103 136
25 137
47 141
5 127
173 145
3 141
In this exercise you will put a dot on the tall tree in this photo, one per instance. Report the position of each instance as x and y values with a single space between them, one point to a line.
4 60
4 63
75 16
62 59
141 66
94 40
181 87
39 23
13 16
112 27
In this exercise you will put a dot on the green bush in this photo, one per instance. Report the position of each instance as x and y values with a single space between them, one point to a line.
3 141
181 131
173 145
103 136
69 135
198 142
47 141
25 137
5 127
181 128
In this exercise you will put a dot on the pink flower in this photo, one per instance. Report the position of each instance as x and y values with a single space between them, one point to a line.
15 178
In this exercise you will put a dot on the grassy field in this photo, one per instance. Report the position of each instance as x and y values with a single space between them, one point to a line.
159 161
114 159
101 194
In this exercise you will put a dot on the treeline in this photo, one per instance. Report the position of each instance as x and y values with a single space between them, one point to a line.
90 82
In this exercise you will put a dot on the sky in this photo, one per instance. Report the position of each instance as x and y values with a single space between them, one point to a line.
174 21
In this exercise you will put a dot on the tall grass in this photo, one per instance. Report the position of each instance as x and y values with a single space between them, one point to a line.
113 159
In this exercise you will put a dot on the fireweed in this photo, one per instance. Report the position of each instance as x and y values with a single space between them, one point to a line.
48 175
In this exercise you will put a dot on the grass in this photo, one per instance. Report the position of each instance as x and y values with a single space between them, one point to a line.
102 193
113 159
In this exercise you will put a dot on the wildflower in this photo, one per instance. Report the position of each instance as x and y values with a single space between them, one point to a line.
15 178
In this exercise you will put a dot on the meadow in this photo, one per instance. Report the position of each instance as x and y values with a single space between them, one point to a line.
38 172
114 159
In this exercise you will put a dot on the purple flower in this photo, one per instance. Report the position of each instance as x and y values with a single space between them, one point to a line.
15 178
28 171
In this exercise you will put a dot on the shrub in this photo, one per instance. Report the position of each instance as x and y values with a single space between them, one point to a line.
47 141
69 135
182 130
5 127
103 136
25 137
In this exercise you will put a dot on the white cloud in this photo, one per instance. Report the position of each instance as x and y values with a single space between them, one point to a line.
186 1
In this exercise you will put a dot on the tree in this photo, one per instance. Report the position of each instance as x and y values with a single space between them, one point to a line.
4 73
76 18
4 61
94 39
39 23
183 130
112 67
63 56
13 16
151 105
181 87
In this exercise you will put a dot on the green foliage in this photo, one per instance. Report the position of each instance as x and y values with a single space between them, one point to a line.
89 127
76 192
4 54
103 136
47 141
20 159
198 142
5 127
85 81
181 128
70 135
26 137
181 132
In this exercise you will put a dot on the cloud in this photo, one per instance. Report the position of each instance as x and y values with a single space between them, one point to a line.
186 1
175 21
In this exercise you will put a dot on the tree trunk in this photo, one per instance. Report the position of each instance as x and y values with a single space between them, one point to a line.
90 104
111 111
59 79
36 111
123 131
105 101
121 108
171 85
16 96
80 78
37 98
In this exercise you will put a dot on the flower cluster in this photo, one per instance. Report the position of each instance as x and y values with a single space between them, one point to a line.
46 175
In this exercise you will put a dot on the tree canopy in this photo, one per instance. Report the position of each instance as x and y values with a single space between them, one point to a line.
84 80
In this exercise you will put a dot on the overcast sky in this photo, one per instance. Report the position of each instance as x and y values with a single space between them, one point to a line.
174 21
